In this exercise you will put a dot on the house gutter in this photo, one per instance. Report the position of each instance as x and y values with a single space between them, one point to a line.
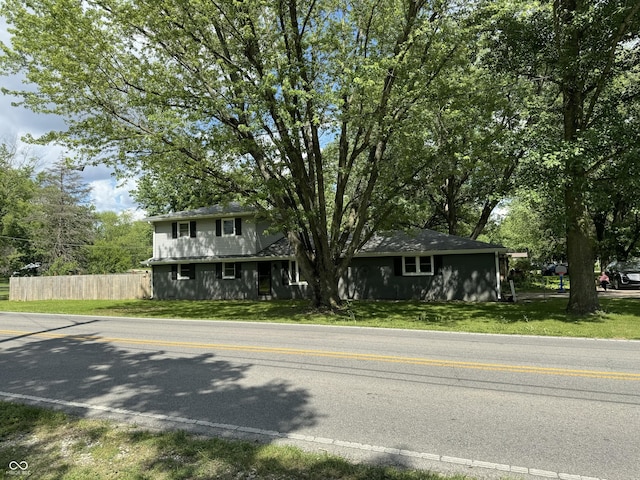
399 253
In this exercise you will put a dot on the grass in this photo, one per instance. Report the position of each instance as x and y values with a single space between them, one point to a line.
620 317
4 290
539 283
58 446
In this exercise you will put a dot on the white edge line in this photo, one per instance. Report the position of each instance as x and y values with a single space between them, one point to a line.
307 438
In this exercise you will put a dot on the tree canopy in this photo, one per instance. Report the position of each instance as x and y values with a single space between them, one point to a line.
17 188
247 94
338 118
579 52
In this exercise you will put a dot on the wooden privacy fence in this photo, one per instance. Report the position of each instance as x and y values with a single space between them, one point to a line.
81 287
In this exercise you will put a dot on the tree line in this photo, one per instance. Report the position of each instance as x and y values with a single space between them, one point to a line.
48 227
339 119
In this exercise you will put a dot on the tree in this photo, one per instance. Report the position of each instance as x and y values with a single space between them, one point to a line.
534 223
16 190
247 94
61 225
473 142
173 189
578 48
614 191
120 244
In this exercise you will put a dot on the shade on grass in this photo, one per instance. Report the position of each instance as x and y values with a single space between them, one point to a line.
620 317
61 446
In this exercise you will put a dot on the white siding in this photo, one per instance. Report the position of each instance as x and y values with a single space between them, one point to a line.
206 243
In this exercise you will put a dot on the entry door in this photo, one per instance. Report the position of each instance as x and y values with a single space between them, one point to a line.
264 278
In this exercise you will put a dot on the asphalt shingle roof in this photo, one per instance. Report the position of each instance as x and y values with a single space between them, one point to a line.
399 242
422 241
212 211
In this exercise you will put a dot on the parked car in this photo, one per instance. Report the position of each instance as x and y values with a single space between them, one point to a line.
30 270
624 274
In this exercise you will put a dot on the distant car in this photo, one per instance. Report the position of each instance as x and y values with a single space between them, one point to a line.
624 274
30 270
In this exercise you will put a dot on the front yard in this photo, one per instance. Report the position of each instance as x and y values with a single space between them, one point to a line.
620 317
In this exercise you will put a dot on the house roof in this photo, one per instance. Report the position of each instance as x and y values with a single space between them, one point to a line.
399 242
424 240
393 243
279 248
231 208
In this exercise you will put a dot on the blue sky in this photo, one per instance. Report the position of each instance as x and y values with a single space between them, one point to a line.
16 122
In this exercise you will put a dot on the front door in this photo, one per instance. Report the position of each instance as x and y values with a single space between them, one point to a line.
264 278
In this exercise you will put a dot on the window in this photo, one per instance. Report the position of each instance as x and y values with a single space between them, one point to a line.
228 270
183 229
410 265
184 271
228 226
418 265
295 275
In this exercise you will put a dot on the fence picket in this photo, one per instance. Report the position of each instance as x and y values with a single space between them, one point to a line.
81 287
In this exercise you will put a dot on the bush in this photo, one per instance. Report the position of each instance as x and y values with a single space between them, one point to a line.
520 269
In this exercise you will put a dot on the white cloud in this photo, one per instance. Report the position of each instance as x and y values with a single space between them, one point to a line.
109 195
18 122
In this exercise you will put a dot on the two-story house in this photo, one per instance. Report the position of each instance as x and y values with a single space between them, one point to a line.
227 252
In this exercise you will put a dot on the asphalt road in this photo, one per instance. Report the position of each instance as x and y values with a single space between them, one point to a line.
481 404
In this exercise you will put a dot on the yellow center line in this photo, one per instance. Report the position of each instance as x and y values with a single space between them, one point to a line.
343 355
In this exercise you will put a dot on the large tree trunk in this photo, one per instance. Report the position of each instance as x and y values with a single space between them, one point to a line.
583 298
320 271
325 295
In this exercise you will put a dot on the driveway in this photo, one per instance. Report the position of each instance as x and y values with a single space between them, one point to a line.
624 293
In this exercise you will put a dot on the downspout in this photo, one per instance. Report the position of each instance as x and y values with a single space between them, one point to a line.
498 283
153 255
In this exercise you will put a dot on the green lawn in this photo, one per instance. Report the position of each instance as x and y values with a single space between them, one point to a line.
620 317
4 290
539 283
57 446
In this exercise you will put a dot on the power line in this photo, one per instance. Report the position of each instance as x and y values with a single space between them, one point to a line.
79 245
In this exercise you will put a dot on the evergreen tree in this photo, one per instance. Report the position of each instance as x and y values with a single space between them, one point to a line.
62 224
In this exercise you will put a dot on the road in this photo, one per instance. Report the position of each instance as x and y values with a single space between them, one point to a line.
481 404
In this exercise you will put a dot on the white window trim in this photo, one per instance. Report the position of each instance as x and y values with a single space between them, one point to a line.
180 276
233 223
418 272
294 274
188 224
224 271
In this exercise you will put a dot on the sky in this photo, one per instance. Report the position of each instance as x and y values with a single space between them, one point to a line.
16 122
